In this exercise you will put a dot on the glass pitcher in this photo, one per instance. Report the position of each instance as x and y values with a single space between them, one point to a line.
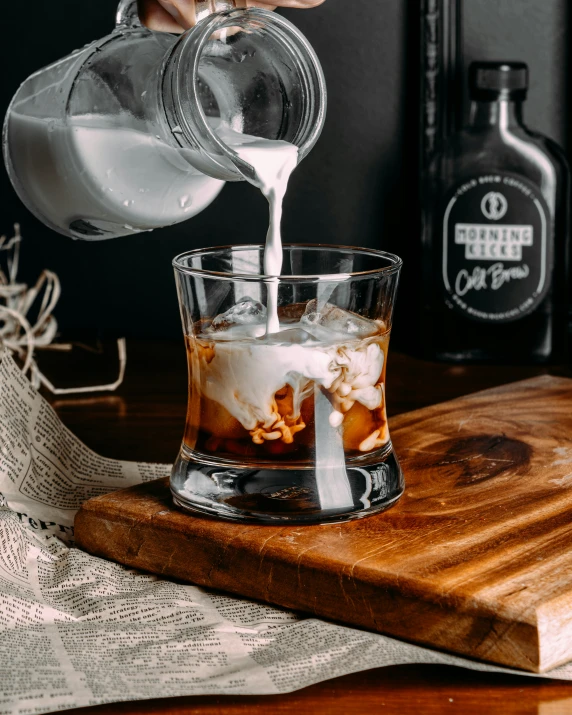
121 136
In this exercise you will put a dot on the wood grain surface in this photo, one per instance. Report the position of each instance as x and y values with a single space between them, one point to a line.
474 559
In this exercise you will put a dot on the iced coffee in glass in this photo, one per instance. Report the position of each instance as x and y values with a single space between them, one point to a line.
287 419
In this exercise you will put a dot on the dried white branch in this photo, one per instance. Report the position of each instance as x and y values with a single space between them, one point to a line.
20 336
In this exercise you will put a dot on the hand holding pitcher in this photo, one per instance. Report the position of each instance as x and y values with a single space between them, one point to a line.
180 15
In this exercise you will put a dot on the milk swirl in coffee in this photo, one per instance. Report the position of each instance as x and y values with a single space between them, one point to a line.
258 371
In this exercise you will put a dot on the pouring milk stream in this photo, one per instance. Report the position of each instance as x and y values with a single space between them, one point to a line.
273 163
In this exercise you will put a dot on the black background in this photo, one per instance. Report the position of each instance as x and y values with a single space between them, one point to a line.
359 185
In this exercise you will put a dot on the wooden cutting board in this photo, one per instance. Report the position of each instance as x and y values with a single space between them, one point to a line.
476 558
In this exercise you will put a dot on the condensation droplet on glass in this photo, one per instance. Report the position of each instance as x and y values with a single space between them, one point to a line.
128 202
177 130
183 201
143 93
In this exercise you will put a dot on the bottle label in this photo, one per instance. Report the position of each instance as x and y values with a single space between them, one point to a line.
497 241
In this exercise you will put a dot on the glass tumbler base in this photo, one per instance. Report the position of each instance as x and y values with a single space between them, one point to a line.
286 496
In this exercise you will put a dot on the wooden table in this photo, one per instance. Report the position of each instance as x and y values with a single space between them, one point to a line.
144 421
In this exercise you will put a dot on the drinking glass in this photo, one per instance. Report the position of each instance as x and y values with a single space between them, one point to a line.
288 426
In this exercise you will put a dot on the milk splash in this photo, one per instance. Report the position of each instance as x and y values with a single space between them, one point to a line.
273 162
333 351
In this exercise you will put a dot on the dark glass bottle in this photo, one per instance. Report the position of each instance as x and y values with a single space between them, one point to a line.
495 233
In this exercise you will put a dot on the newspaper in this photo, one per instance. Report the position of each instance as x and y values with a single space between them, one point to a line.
76 630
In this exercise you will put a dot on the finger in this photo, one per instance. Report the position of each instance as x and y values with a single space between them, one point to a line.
155 17
182 11
167 15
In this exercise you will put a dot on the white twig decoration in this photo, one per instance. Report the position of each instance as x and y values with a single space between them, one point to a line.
19 336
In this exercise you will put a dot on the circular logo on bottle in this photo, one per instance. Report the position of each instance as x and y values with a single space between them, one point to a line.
497 248
494 206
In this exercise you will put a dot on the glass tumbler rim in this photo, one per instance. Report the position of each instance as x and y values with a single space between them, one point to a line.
395 266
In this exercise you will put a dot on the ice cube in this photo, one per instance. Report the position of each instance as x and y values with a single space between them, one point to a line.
338 320
246 312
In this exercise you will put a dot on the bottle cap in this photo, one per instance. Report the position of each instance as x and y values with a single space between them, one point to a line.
489 81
